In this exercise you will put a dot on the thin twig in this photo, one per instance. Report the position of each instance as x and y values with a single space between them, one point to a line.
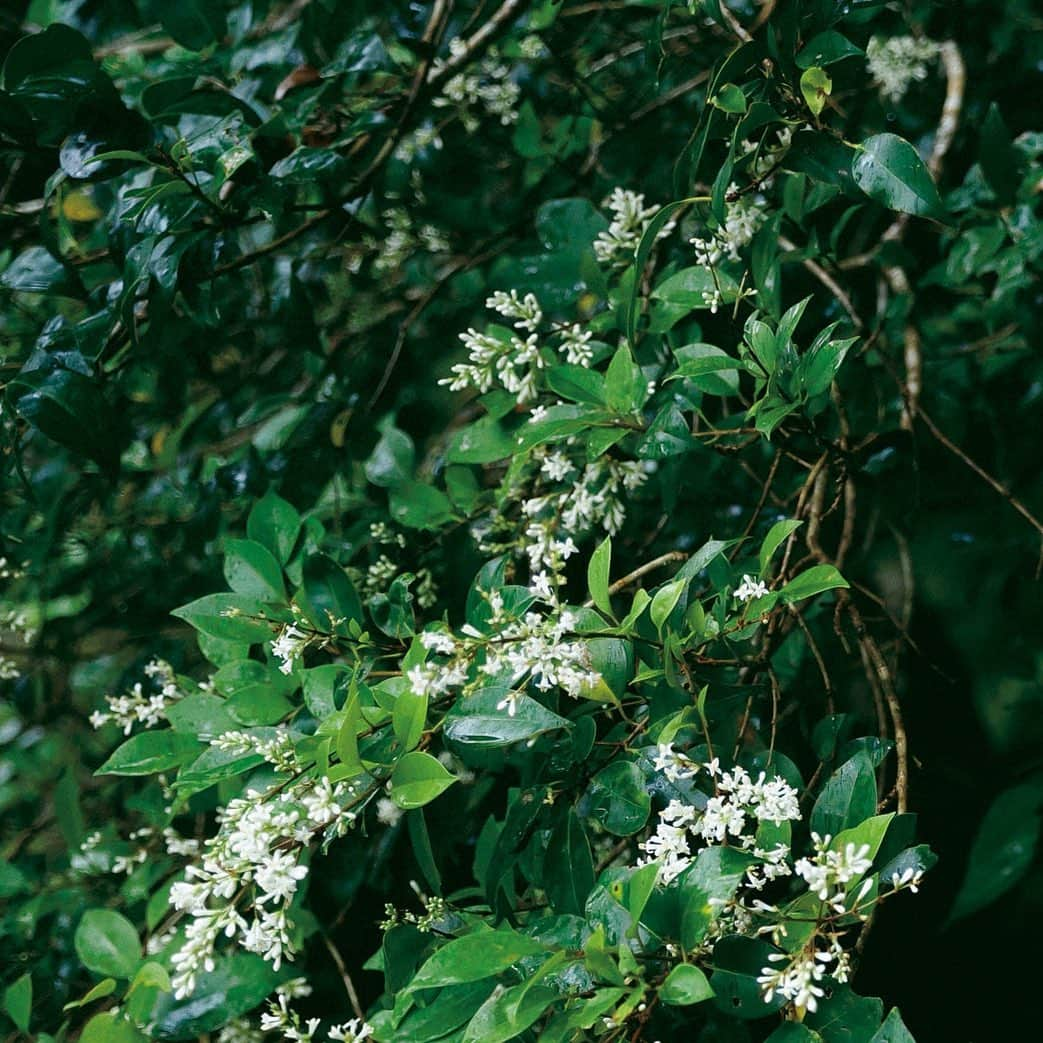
345 977
643 570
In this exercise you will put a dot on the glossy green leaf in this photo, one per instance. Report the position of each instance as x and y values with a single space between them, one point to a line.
618 798
813 581
251 569
107 943
474 957
1003 850
888 169
477 720
418 779
18 1001
685 984
150 752
274 523
848 797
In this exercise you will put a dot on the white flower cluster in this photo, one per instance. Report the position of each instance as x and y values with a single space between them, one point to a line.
378 576
742 218
739 803
515 360
258 847
486 86
534 648
14 622
280 1017
750 588
798 980
895 62
138 706
830 871
674 765
289 646
592 497
630 218
279 750
174 843
402 239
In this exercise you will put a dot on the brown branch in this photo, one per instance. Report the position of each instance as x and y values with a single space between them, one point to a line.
955 81
345 977
879 673
643 570
497 24
984 475
828 281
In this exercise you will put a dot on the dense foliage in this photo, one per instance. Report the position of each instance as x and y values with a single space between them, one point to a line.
517 519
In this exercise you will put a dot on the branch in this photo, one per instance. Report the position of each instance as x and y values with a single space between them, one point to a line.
497 24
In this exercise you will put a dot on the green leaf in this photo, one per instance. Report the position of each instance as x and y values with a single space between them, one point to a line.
506 1014
811 582
597 576
105 987
483 442
737 962
274 523
665 600
568 868
870 833
710 882
776 536
409 717
846 1017
393 458
1003 849
18 1001
826 48
474 957
107 943
151 975
150 752
618 798
709 368
201 714
195 24
893 1030
228 617
731 99
685 984
577 384
68 407
644 250
418 779
251 569
417 505
888 169
848 797
111 1028
1002 163
625 386
422 850
57 47
793 1032
694 287
237 984
327 596
321 685
477 721
815 85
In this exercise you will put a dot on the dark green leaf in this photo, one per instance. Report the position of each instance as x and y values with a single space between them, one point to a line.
888 169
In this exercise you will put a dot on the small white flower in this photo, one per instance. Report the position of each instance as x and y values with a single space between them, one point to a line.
751 588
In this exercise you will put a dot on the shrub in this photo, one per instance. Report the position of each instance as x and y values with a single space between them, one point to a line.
523 405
